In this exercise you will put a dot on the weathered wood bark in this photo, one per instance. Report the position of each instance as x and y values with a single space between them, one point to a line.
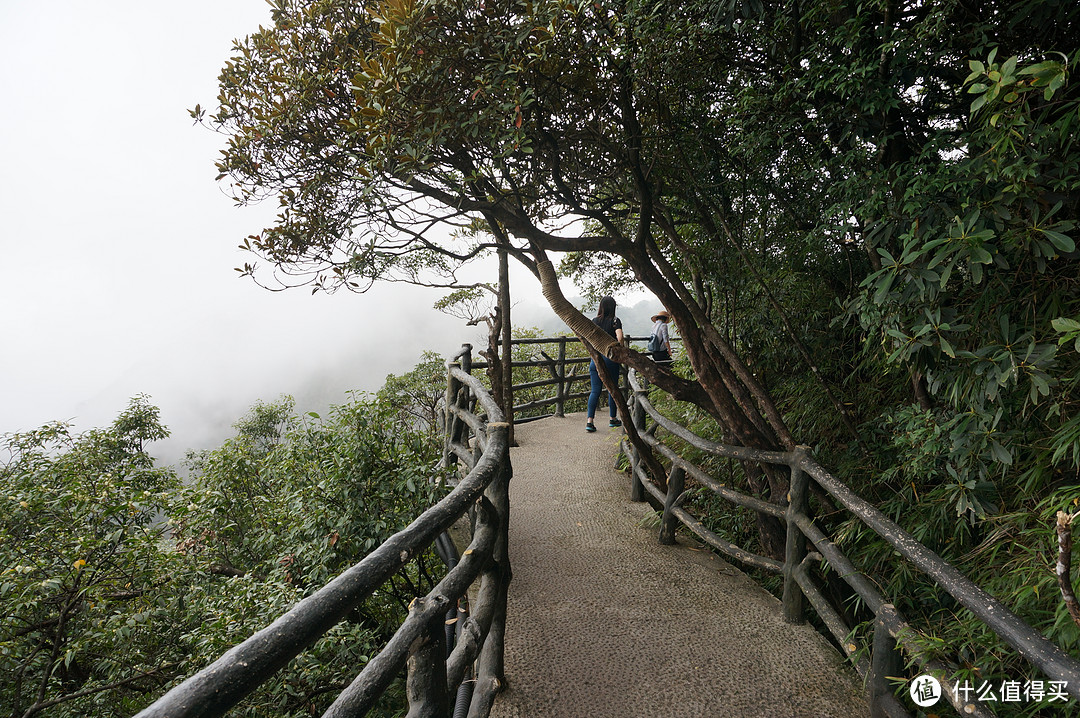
885 662
560 405
668 525
506 334
600 343
795 549
426 685
1063 567
490 676
637 418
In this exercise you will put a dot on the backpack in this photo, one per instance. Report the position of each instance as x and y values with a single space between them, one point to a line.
655 344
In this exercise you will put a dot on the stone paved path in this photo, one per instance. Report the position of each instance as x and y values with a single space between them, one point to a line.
606 622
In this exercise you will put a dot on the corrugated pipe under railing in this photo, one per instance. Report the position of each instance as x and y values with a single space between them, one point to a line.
455 619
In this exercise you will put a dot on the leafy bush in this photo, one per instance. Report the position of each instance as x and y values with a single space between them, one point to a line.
115 580
89 619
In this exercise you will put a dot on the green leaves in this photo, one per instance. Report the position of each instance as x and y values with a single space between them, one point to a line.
1069 330
284 507
1062 242
412 399
1050 74
112 573
78 556
997 80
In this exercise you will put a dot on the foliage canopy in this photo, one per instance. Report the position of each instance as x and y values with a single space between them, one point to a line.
860 216
116 580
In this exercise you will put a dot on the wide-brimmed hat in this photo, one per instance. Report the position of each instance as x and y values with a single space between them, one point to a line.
661 315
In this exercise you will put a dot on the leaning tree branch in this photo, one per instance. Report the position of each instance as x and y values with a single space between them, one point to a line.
516 223
725 231
598 343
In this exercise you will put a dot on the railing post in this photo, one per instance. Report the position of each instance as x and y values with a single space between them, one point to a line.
885 661
796 542
426 685
466 358
637 416
462 399
560 372
490 677
451 421
676 481
627 389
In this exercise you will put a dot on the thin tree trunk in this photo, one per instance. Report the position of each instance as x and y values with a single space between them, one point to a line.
507 335
845 417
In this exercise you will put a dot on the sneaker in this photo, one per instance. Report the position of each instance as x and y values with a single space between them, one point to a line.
614 422
590 428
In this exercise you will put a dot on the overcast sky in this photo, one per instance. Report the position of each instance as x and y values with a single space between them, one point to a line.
117 247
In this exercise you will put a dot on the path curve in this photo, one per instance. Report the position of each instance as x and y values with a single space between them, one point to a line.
604 621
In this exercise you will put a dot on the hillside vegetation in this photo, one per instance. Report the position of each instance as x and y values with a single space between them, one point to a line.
117 580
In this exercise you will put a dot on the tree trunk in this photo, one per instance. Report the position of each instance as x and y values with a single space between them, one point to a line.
507 337
494 359
599 343
713 372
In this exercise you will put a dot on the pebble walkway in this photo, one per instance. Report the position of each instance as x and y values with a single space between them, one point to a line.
604 621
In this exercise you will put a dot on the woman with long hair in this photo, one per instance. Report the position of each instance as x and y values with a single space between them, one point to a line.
605 319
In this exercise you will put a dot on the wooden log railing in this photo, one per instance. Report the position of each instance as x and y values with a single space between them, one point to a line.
886 658
564 373
477 434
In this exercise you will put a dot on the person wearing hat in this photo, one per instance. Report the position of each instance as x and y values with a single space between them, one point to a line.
660 341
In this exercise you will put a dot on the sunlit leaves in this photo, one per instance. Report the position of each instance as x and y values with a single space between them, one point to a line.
1069 330
993 81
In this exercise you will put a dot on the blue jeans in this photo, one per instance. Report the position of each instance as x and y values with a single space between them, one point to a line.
597 386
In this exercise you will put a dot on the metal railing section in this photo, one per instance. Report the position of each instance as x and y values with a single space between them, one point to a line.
799 584
434 672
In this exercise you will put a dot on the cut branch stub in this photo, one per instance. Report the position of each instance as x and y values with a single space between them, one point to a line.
1064 564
